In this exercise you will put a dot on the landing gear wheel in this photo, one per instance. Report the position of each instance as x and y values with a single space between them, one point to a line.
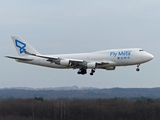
78 72
91 73
137 69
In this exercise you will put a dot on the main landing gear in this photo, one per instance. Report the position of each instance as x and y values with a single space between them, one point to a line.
92 71
138 68
83 71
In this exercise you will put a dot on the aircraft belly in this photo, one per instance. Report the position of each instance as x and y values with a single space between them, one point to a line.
127 62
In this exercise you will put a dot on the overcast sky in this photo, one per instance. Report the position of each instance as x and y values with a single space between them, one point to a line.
55 27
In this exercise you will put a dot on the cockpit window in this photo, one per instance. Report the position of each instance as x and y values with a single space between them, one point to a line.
141 50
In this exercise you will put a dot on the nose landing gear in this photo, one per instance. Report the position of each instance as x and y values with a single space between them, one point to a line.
138 68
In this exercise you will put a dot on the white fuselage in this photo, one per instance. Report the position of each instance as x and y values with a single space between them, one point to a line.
115 57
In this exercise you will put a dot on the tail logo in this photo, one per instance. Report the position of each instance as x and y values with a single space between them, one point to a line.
21 46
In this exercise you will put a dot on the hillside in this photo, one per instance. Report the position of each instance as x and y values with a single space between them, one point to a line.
76 92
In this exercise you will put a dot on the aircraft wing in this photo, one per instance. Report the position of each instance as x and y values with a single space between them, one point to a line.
58 59
72 63
71 60
49 58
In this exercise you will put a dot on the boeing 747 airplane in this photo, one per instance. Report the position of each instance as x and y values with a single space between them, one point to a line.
107 59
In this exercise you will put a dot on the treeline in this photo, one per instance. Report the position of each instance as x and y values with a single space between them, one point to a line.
81 94
80 109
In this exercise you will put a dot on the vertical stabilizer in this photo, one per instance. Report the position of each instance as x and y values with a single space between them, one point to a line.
22 46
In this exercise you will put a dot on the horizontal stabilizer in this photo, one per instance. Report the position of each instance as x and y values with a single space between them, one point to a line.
19 58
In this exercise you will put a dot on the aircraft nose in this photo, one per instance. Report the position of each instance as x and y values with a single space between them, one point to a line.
150 56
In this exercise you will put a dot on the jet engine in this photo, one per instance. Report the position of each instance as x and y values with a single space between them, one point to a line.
92 65
64 62
111 68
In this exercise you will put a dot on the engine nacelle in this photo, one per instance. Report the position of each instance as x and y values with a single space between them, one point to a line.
92 65
111 68
64 62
